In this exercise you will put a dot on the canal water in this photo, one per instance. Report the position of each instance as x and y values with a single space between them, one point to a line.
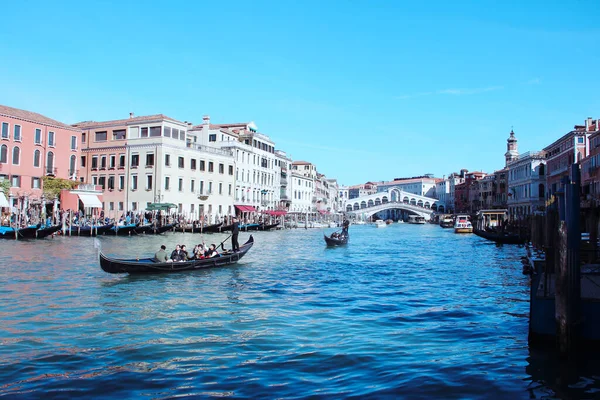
407 311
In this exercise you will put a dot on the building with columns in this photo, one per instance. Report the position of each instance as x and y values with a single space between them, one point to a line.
33 146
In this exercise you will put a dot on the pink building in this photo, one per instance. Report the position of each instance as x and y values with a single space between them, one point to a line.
33 146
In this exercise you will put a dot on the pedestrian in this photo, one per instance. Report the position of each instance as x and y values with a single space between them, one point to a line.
235 231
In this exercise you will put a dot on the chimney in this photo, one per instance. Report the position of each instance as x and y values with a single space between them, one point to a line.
130 115
206 120
588 124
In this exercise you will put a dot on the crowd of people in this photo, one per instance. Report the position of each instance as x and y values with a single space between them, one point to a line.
180 254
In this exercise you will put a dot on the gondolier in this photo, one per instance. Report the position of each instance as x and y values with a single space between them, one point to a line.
235 230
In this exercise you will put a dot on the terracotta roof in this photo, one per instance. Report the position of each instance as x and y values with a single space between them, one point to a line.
301 163
125 121
32 117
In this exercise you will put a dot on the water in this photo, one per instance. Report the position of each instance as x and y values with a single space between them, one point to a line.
414 311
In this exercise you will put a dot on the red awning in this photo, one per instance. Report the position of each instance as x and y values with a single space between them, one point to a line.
243 208
323 211
276 213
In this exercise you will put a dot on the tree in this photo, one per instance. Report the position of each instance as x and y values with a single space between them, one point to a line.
53 186
5 186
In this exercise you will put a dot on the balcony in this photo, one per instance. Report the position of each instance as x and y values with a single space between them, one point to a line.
51 171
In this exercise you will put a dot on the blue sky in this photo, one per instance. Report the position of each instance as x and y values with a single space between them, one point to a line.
365 90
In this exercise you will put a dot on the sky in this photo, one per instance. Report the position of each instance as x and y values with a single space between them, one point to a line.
365 90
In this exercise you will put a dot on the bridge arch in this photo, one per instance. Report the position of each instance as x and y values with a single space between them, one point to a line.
348 207
413 201
370 203
420 203
356 207
377 201
363 204
405 200
384 199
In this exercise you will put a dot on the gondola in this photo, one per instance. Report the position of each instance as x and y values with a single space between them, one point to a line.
95 230
266 227
47 231
162 229
499 237
226 228
339 241
249 227
149 266
199 229
22 233
122 230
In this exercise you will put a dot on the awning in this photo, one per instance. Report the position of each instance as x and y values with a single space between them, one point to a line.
160 206
322 212
3 201
243 208
90 200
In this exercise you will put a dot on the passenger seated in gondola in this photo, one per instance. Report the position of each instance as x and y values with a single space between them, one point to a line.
199 252
161 255
335 235
184 253
212 251
177 254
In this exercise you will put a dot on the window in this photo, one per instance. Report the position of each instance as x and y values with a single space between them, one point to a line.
579 140
211 166
149 160
36 158
155 131
181 162
5 130
148 182
144 132
209 187
35 183
220 188
192 185
37 138
181 184
230 189
72 162
121 182
167 160
4 154
221 168
231 170
120 206
135 160
103 162
175 133
83 137
182 135
94 162
202 167
102 182
73 142
111 205
121 161
119 134
15 181
16 155
113 161
17 133
193 164
134 182
111 182
212 137
166 131
167 182
201 187
101 136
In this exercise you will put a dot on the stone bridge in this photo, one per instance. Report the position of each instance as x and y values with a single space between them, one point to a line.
393 198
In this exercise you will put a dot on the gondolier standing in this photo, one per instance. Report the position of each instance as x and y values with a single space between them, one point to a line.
235 230
345 226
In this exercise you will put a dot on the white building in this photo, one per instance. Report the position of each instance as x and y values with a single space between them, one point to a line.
343 193
303 187
526 184
332 195
422 186
257 176
284 162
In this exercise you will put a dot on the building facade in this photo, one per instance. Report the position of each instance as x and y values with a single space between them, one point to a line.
422 186
33 146
526 184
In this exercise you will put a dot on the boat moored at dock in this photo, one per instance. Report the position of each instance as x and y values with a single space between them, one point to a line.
462 224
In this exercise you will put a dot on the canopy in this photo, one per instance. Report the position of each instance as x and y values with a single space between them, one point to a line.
243 208
3 201
160 206
90 200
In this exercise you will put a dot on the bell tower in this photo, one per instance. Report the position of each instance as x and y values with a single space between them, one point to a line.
512 152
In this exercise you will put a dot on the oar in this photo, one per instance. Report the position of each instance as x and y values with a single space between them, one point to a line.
224 242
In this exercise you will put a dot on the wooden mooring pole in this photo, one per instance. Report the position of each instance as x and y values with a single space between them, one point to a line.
568 274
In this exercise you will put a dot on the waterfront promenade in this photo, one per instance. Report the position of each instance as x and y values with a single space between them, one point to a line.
414 311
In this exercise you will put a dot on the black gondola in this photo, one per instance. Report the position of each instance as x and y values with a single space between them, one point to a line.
199 229
149 266
47 231
266 227
122 230
499 237
336 241
226 228
162 229
22 233
90 230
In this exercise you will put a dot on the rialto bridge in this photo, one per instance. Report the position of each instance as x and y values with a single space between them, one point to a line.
393 198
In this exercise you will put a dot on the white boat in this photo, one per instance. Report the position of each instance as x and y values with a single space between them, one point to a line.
359 223
462 224
380 223
416 219
400 221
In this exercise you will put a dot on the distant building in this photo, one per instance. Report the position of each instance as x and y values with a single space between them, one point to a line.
464 200
363 189
526 184
590 166
422 186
